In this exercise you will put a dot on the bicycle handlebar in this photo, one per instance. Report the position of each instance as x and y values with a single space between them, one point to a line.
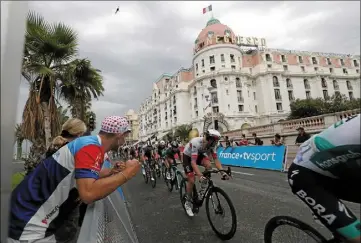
214 171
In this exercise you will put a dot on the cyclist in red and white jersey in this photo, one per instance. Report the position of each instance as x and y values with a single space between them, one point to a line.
198 152
326 170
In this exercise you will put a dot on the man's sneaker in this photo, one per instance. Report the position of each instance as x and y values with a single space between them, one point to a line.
188 208
168 175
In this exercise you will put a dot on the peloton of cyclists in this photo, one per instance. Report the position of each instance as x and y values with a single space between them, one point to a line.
169 156
199 151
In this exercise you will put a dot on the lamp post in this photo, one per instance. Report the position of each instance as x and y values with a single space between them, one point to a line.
209 99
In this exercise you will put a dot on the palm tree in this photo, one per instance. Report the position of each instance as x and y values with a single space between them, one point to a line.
183 132
48 50
83 83
62 113
19 139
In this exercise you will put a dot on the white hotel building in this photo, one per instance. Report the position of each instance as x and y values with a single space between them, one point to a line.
242 88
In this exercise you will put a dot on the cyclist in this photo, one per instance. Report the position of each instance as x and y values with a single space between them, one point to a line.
169 156
147 155
197 152
327 168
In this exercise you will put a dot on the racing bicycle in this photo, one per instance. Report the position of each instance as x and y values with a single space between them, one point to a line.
211 197
304 230
150 172
176 177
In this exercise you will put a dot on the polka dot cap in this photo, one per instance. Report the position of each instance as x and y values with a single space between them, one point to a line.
115 124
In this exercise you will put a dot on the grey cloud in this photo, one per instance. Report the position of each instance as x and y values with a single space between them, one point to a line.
131 59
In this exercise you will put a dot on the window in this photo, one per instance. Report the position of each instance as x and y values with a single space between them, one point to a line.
306 83
254 95
316 69
344 70
268 58
335 85
285 68
238 83
308 94
325 94
289 83
255 108
211 60
329 61
300 59
349 85
350 95
314 60
279 106
342 62
222 57
278 94
196 66
202 62
212 68
214 98
240 107
275 82
269 65
227 93
290 95
331 70
323 83
303 69
196 113
214 83
215 109
357 70
283 58
233 67
355 63
229 106
232 58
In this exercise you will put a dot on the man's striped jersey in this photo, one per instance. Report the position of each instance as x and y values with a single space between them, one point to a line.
43 200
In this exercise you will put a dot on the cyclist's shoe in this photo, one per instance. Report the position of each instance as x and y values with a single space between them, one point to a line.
188 208
195 210
168 175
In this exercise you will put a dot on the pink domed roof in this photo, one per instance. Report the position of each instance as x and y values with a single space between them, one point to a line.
214 27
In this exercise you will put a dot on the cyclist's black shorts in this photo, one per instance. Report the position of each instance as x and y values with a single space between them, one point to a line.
187 163
322 195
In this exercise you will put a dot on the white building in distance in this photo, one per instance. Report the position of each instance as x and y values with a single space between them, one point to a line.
240 82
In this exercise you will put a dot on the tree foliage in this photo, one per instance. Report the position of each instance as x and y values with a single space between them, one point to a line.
182 132
315 107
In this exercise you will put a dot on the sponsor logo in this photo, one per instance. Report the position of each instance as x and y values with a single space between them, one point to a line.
254 157
50 214
326 164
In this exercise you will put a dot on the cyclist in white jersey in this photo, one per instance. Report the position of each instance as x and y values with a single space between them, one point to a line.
198 152
327 168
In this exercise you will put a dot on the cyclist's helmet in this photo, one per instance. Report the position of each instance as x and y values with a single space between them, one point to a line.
162 143
174 144
212 136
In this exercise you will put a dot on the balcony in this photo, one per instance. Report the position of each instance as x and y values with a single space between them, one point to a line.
336 87
278 98
240 99
238 85
276 84
349 87
290 86
307 86
215 100
195 106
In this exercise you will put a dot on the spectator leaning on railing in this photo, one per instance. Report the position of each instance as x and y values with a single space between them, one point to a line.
257 140
40 203
278 140
302 136
244 141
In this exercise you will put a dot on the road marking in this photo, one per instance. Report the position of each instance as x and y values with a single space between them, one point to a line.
242 173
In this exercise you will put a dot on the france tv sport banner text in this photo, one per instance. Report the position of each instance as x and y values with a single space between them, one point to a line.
262 157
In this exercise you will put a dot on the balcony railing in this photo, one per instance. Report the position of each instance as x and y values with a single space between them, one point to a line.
349 87
276 84
307 86
195 106
290 86
215 100
278 97
238 85
240 99
336 87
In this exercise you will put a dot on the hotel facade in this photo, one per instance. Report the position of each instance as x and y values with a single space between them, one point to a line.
237 82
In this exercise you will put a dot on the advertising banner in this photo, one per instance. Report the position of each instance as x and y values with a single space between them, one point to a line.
261 157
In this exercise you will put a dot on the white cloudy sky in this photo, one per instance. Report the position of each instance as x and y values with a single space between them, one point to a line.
145 39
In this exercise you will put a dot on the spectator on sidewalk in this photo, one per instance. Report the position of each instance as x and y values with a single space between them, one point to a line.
257 140
302 136
244 141
42 201
278 140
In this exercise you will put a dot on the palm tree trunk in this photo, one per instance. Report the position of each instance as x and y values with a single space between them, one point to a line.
47 123
19 150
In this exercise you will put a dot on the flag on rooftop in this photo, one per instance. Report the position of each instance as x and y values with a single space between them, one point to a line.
207 9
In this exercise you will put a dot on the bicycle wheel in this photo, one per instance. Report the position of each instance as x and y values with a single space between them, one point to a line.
153 179
146 175
183 191
178 178
169 182
276 222
213 194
